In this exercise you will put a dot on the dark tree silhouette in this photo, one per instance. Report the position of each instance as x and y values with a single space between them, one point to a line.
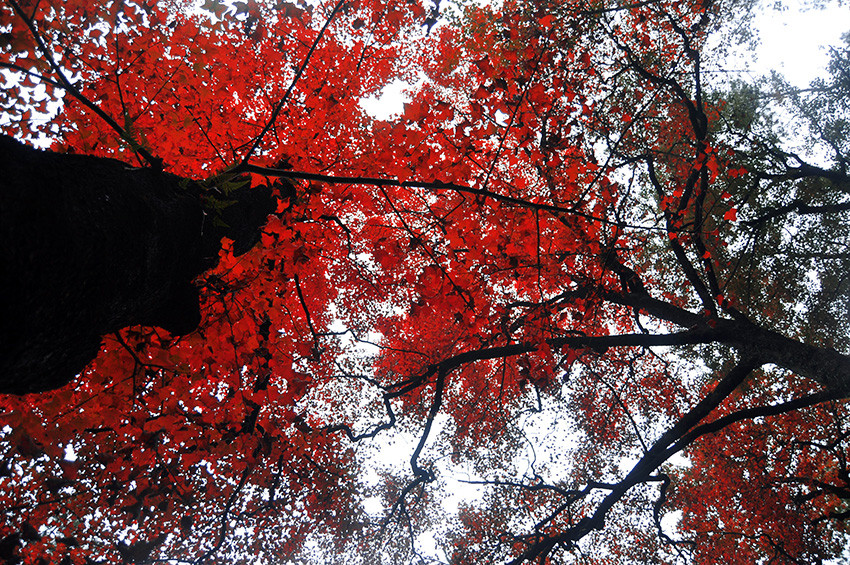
92 245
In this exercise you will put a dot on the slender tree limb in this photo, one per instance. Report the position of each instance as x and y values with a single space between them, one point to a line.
282 102
224 517
749 414
799 207
154 162
435 185
644 468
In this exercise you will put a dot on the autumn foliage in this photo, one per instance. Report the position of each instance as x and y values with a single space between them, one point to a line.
558 275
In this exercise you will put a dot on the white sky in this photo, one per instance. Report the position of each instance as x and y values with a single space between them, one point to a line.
794 42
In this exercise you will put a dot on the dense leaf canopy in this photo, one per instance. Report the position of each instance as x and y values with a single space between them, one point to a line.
591 306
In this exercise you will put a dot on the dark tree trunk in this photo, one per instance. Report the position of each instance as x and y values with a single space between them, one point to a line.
91 245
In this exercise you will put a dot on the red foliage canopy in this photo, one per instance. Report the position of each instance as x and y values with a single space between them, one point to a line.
545 251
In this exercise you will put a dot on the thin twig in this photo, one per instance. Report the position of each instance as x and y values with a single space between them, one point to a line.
279 106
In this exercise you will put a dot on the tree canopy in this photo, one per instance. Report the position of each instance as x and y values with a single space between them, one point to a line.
580 276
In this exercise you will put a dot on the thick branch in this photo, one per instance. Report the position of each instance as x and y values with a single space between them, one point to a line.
678 250
643 470
800 207
822 364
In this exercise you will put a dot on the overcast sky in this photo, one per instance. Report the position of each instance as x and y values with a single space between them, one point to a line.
795 41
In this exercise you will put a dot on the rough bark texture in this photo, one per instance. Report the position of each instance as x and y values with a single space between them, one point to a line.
91 245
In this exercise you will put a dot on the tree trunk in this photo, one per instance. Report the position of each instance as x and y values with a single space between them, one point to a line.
91 245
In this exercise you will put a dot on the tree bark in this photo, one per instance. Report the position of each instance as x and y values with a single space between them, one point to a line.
825 365
92 245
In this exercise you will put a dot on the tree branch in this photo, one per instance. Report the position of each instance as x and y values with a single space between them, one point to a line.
435 185
65 83
644 468
279 106
800 207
